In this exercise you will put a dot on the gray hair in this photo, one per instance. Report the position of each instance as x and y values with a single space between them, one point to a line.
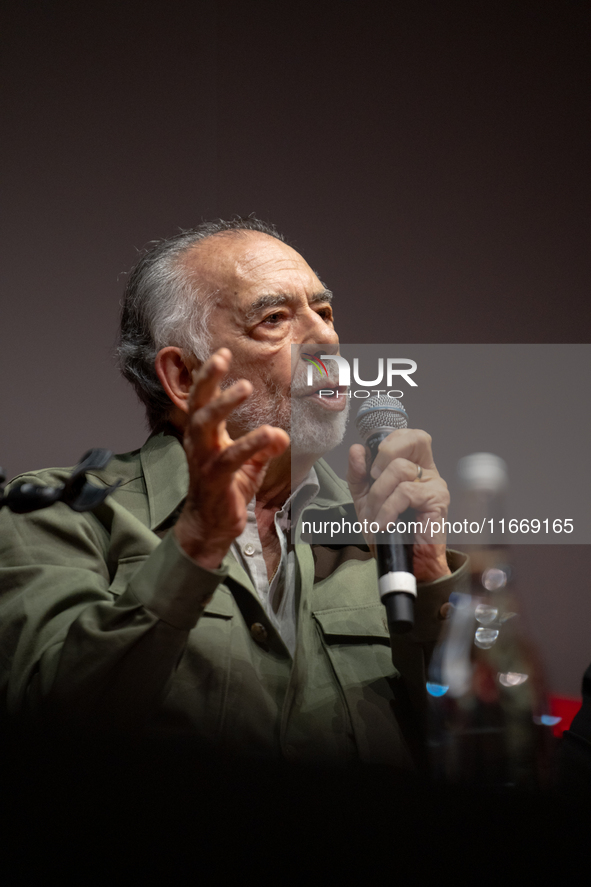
162 306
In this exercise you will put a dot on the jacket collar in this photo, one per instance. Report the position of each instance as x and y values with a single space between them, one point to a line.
166 475
333 490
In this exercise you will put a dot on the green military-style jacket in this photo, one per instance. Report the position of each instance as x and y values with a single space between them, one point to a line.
103 625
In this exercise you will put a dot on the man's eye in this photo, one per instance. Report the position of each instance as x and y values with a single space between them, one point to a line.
274 319
326 314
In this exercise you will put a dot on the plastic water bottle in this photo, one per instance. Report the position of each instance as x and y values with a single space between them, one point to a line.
486 687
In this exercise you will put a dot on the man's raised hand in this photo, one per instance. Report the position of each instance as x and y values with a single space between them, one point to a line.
224 474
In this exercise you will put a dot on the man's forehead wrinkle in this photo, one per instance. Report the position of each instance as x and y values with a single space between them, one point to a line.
263 254
206 263
215 260
256 264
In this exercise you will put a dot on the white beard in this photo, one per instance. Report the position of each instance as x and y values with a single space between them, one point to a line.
313 430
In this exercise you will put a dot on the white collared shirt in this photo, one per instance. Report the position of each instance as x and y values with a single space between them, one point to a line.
279 596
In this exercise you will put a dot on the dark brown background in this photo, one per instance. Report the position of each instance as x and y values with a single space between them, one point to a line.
429 159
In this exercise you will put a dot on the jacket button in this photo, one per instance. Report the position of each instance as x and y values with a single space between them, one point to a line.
258 632
445 611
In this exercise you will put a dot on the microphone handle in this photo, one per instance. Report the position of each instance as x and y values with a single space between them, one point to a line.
394 556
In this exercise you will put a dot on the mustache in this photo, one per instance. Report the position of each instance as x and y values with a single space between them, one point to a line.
299 384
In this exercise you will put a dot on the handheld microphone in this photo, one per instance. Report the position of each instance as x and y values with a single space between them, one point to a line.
378 417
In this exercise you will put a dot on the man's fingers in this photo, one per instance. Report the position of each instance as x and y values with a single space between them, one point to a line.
357 472
404 443
207 378
431 498
259 446
204 422
396 472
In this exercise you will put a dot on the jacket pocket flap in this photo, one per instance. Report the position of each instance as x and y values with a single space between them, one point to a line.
221 604
354 622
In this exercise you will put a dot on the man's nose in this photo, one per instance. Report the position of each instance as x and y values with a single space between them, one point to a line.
321 333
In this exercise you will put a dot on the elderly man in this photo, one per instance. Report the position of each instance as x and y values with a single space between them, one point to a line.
180 606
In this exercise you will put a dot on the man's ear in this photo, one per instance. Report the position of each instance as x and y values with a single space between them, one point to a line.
174 371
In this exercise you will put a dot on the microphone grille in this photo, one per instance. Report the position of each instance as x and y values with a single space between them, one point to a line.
380 412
